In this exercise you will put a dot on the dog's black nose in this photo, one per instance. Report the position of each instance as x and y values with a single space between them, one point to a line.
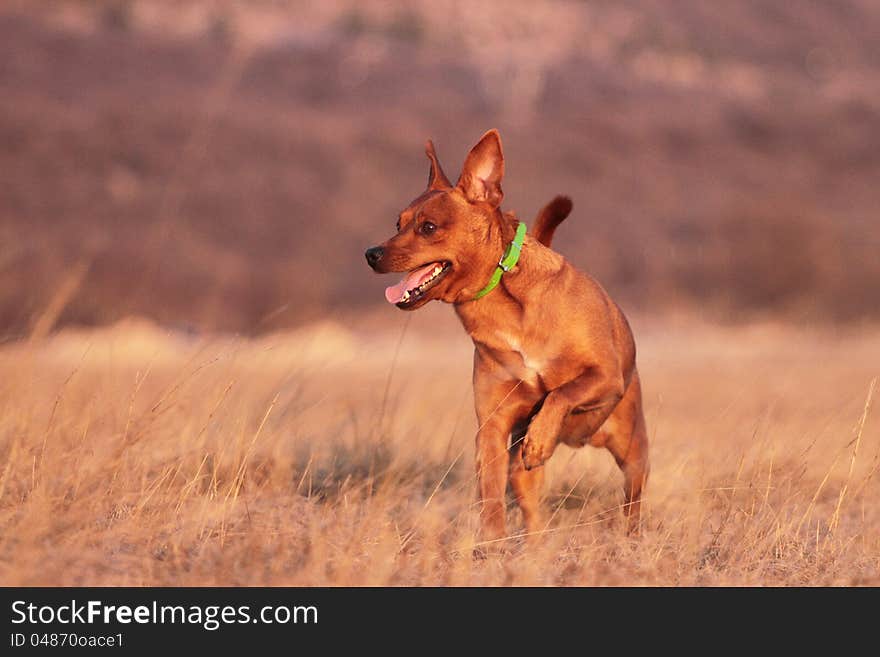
374 255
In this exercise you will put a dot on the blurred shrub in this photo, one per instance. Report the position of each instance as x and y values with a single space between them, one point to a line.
784 260
223 165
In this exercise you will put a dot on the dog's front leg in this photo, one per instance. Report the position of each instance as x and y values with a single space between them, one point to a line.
497 406
492 466
594 393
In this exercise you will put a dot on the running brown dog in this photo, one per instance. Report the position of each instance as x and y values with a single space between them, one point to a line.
554 357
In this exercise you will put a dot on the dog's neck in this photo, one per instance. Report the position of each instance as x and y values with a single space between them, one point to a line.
503 306
500 232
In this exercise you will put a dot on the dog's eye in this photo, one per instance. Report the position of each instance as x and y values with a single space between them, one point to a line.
427 228
398 225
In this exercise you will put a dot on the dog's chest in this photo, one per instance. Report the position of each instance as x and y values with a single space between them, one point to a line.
519 363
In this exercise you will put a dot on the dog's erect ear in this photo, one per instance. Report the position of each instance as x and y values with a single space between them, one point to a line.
436 178
483 169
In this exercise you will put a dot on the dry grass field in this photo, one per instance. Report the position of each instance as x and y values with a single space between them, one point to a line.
341 454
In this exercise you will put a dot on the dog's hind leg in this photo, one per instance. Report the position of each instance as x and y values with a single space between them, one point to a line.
626 437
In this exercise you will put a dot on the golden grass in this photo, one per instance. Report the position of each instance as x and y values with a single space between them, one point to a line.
132 456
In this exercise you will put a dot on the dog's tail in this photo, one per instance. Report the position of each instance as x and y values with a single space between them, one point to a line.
553 214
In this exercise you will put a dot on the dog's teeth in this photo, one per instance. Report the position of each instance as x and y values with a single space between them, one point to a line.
420 290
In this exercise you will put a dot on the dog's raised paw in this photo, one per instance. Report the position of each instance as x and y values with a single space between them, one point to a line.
532 455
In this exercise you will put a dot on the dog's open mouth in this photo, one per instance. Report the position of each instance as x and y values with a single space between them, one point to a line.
416 283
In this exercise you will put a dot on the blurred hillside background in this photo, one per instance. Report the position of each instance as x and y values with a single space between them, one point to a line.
222 165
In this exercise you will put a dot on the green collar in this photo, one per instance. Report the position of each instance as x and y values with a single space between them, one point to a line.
507 262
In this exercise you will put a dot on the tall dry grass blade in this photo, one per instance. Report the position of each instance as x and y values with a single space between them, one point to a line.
53 414
860 427
152 490
10 461
184 493
239 476
138 384
385 394
63 295
564 499
711 550
816 494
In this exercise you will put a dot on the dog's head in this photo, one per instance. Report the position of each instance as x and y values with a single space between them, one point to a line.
450 237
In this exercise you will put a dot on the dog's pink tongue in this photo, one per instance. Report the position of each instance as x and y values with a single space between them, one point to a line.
394 294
